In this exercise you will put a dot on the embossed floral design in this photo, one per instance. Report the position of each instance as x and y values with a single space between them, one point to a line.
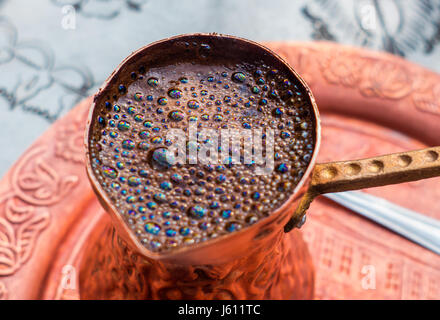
3 291
70 142
343 68
371 76
18 236
387 79
42 185
24 215
429 102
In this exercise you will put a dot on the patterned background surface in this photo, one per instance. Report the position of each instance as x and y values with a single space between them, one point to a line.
53 53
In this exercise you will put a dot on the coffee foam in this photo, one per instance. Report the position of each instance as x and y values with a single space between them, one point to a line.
168 205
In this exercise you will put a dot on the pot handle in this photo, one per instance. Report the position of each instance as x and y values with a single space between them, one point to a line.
367 173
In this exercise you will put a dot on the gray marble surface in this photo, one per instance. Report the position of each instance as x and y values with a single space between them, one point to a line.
53 53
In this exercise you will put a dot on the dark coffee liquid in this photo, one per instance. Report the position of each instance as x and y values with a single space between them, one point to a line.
170 205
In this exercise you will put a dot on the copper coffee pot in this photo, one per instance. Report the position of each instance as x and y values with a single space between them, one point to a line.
254 263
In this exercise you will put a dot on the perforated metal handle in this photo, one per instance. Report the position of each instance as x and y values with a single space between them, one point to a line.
368 173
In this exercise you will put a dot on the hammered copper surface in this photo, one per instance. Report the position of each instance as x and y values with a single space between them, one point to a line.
110 270
48 211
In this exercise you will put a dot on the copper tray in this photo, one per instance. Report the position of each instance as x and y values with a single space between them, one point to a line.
376 102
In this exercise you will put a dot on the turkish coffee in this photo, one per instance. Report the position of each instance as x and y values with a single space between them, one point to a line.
195 86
